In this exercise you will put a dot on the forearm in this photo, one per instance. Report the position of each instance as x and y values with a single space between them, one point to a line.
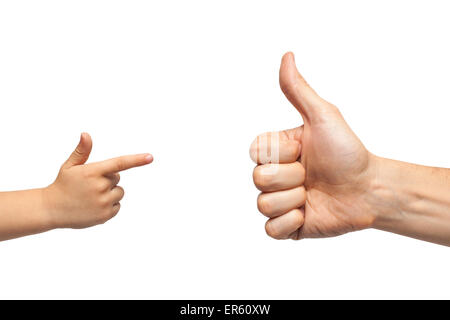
412 200
23 213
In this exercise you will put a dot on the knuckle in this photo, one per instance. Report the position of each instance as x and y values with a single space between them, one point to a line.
302 191
254 147
262 179
292 149
261 150
120 165
295 235
271 231
333 108
264 204
302 172
86 173
103 202
101 186
121 192
116 210
298 218
111 212
77 152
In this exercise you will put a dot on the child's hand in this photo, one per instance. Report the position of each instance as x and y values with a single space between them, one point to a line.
84 195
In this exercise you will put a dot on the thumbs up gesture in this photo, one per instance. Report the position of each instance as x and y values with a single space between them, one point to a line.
84 195
315 178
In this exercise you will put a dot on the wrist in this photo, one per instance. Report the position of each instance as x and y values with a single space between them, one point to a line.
393 196
385 193
49 207
411 200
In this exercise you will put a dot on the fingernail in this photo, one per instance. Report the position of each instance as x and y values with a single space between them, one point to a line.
148 158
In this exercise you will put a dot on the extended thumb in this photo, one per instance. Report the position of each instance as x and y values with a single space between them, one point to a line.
297 90
81 152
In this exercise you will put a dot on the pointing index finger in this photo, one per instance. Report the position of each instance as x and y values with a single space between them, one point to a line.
124 162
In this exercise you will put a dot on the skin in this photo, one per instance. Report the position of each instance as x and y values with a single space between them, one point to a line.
83 195
318 180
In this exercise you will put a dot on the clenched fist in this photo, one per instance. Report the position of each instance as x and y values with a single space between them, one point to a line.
315 178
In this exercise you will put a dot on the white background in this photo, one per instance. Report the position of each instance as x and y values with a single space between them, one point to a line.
193 82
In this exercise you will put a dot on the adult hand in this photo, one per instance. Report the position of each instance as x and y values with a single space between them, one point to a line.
315 178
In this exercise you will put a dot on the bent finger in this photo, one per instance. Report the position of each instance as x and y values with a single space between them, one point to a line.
283 226
274 204
117 194
273 147
114 178
115 209
277 177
